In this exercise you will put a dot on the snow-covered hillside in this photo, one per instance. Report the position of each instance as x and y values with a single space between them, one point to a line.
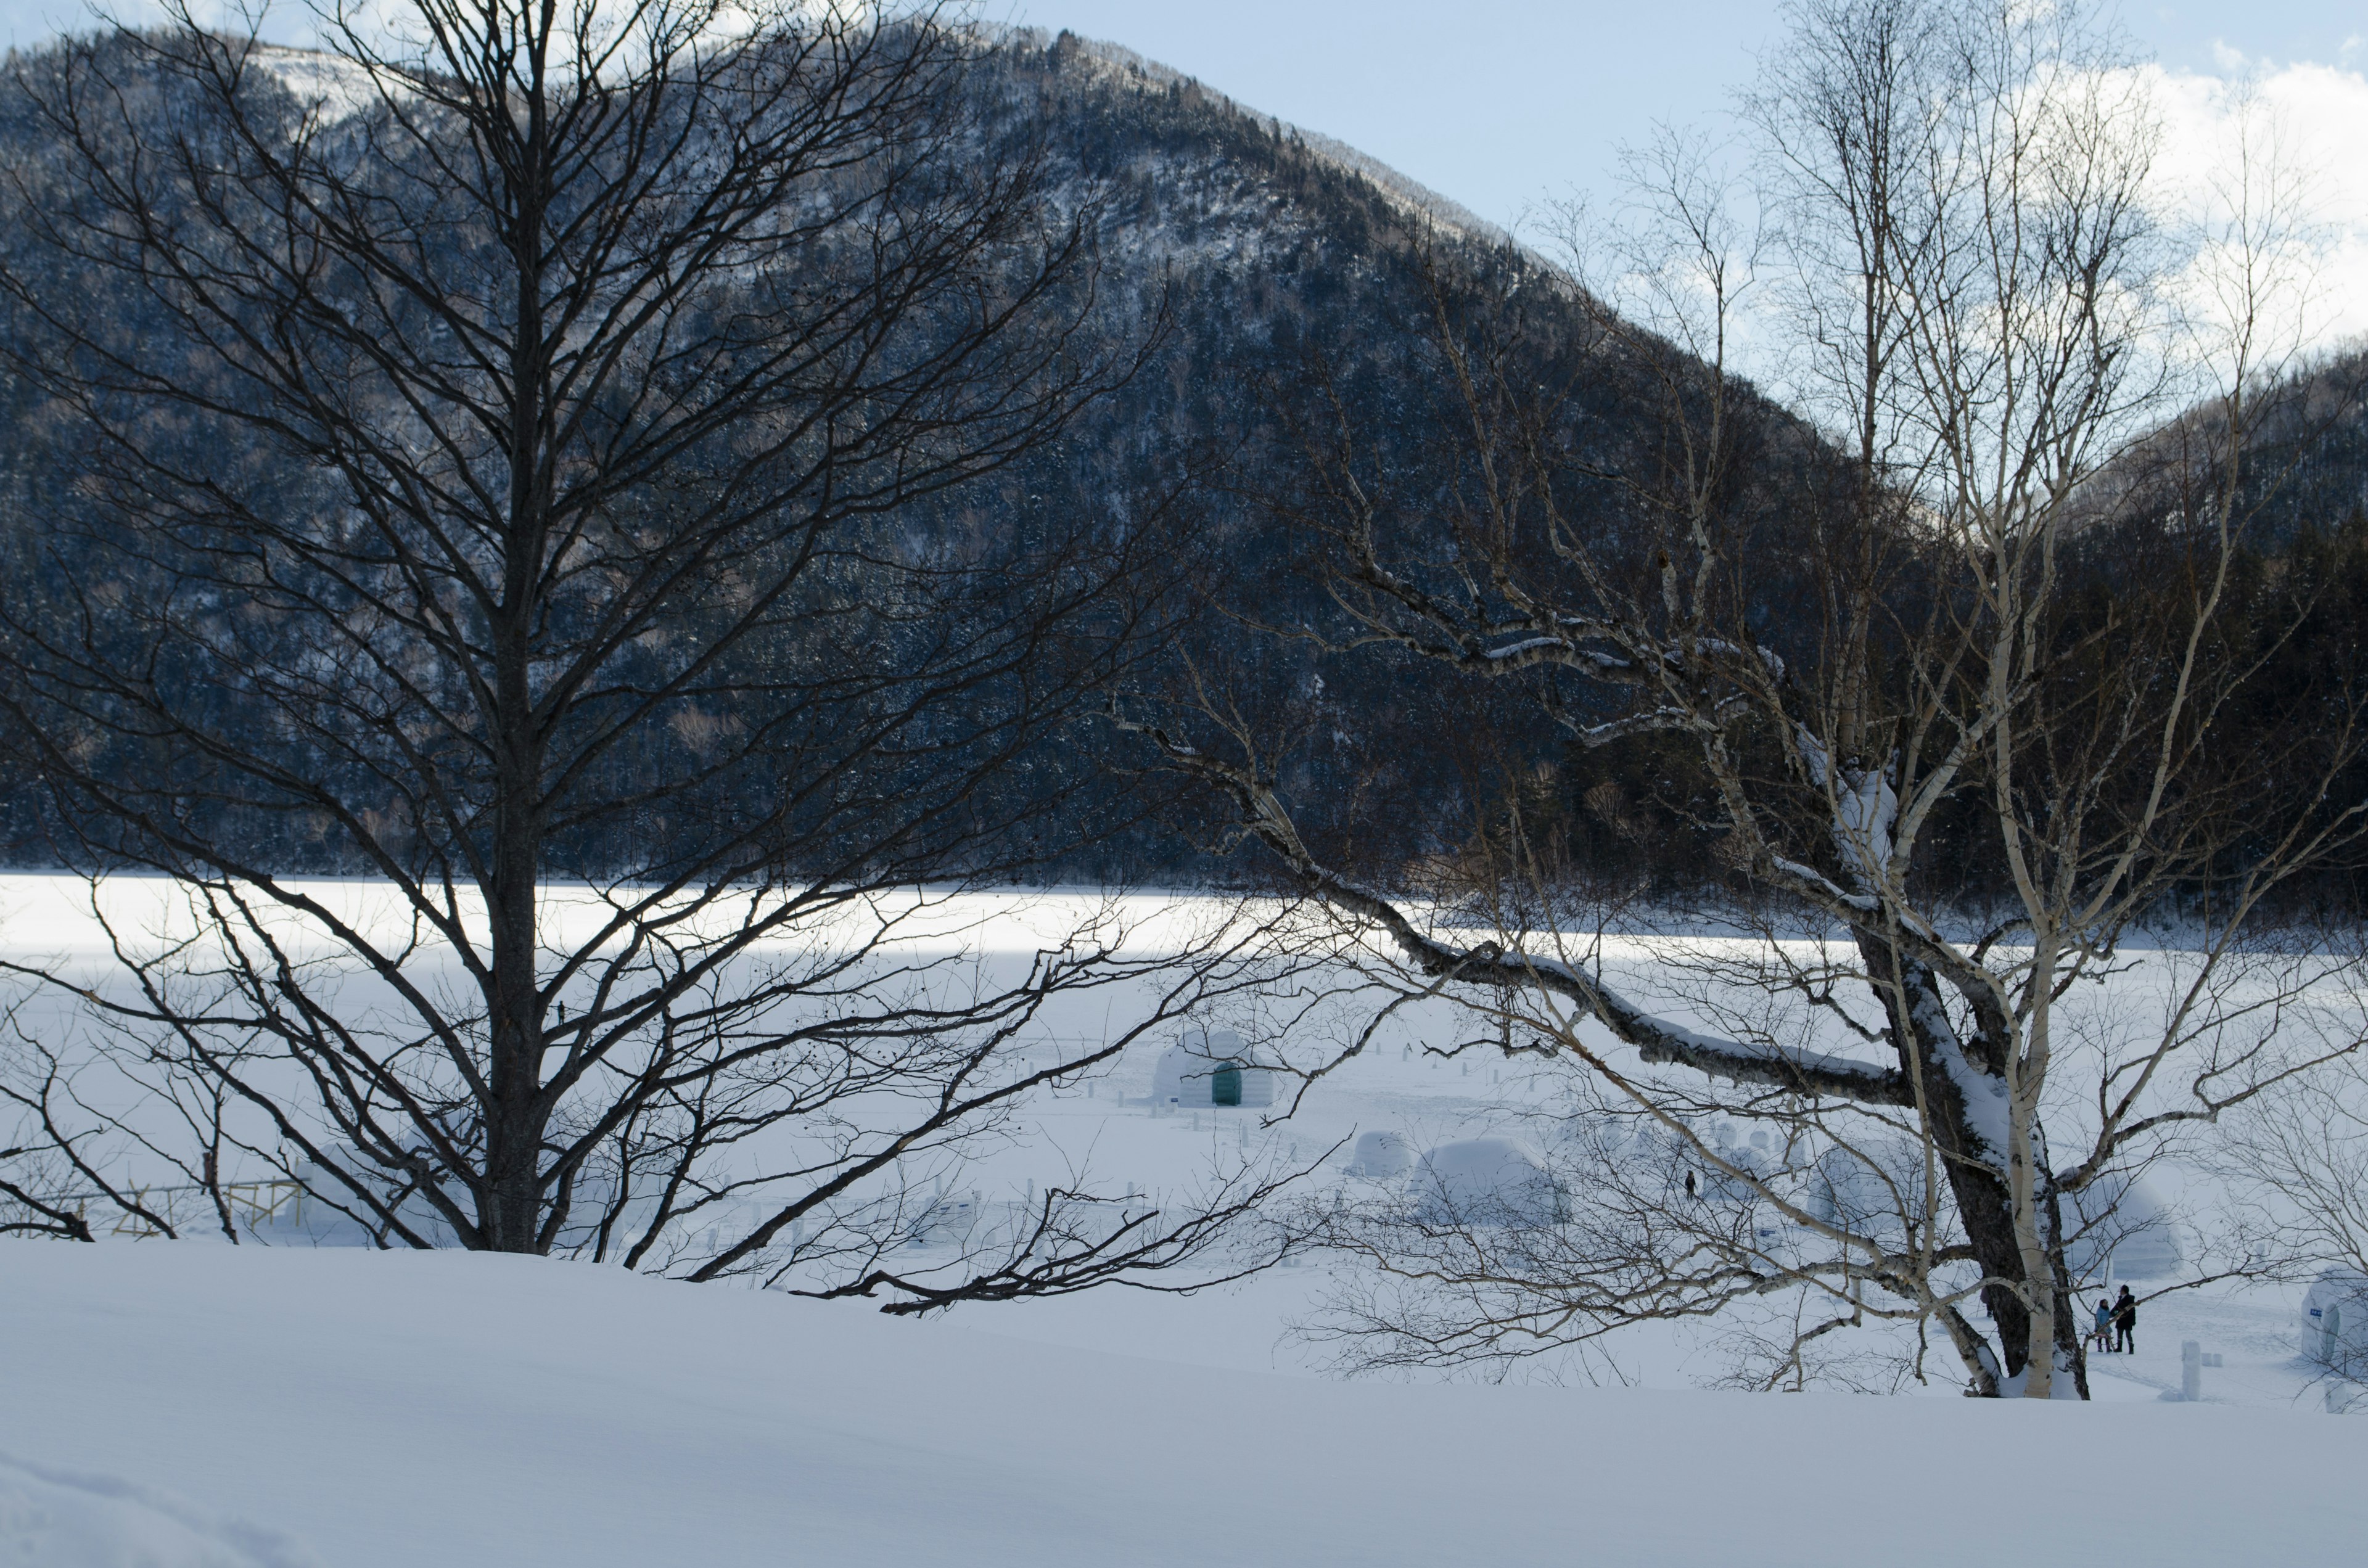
405 1409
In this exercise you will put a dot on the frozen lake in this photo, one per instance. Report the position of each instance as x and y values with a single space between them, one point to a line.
347 1398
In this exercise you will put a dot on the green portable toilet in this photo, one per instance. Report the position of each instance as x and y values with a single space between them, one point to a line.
1210 1069
1225 1084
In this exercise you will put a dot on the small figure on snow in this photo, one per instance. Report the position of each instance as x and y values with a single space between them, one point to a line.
2125 1320
2101 1336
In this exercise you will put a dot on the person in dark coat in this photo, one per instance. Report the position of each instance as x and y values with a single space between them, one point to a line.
2125 1320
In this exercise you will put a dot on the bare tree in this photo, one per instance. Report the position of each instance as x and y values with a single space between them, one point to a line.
71 1156
1959 696
50 1160
519 457
2295 1171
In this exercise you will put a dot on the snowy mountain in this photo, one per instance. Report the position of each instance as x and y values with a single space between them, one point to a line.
1247 250
1285 270
1113 66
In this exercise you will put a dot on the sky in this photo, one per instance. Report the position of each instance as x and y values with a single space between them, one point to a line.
1500 103
1506 105
1503 105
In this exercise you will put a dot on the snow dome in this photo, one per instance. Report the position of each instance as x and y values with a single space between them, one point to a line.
1209 1067
2335 1322
2121 1230
1845 1190
1381 1154
1488 1181
1863 1188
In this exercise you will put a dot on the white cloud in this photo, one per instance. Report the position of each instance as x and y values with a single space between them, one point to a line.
2287 137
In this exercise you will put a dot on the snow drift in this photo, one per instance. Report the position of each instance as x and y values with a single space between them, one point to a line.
490 1412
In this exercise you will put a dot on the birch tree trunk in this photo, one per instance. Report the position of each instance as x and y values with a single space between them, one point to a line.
1977 640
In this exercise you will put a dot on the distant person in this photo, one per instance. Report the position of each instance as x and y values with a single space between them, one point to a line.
2126 1321
2101 1336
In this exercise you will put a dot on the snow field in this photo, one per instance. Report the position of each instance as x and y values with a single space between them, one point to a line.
99 1521
445 1408
402 1409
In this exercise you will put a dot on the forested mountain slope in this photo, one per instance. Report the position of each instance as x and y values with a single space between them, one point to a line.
1265 276
1285 289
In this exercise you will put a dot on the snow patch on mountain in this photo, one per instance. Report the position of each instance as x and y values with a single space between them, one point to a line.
1120 66
334 87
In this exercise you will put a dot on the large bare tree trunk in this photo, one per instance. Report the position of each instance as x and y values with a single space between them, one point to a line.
529 474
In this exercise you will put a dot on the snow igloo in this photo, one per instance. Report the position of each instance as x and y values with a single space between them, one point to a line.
1495 1182
1381 1155
1211 1067
2124 1231
2335 1322
1863 1188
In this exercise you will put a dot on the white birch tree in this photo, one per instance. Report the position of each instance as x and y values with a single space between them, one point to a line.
1964 694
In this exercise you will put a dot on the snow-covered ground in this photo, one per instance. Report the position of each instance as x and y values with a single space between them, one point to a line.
181 1404
199 1404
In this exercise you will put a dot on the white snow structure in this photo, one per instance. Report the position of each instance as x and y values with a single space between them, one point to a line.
1211 1067
1864 1187
2125 1231
2335 1322
1381 1155
1494 1182
1847 1190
